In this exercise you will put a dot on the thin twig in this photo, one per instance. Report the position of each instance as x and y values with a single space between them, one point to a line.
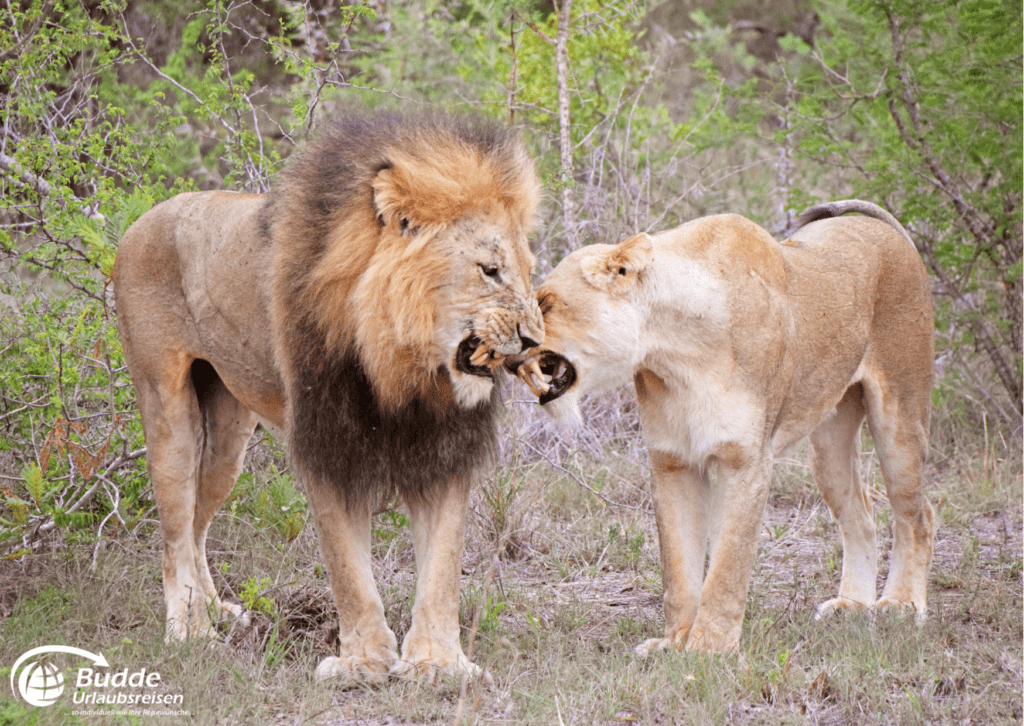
583 484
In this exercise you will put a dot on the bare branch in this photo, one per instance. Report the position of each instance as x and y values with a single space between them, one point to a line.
564 136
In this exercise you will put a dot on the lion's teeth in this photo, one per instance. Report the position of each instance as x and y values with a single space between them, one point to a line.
479 356
561 369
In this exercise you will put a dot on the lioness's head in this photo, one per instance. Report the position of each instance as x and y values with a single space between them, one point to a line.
593 308
425 272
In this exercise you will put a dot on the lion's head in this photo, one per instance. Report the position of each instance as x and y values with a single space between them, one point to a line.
405 242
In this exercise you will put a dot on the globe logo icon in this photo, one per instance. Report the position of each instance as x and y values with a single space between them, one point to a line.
41 684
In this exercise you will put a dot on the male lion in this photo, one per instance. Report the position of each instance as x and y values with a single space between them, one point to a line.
740 346
360 308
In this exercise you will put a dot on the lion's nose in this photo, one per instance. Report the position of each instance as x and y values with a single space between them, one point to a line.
526 340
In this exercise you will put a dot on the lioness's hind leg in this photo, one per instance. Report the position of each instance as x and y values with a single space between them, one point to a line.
899 425
835 459
227 427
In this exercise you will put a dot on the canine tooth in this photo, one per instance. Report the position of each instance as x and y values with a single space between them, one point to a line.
496 359
538 390
531 375
479 356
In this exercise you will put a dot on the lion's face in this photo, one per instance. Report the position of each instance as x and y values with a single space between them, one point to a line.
485 299
427 269
593 317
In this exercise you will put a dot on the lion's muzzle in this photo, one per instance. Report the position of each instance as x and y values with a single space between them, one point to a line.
467 358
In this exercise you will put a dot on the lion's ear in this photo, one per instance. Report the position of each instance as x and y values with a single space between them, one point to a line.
390 199
616 269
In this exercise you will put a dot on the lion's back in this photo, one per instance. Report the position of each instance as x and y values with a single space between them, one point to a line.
191 279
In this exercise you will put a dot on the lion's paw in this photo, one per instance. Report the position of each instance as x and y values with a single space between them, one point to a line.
839 604
430 669
231 611
353 669
183 625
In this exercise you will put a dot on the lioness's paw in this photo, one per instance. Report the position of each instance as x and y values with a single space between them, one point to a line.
893 605
838 604
653 645
353 669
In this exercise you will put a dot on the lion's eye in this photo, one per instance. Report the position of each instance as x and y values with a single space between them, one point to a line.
491 271
622 271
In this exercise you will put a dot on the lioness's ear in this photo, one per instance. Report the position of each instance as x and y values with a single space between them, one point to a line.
616 269
545 301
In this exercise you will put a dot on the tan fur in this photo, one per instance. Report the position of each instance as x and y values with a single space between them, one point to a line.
225 299
739 347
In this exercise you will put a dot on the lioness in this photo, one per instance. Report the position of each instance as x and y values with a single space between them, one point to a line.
360 308
739 346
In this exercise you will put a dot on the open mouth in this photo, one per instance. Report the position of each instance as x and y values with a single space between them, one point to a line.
562 373
464 355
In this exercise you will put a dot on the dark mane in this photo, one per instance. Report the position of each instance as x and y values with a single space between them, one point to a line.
341 435
332 174
338 430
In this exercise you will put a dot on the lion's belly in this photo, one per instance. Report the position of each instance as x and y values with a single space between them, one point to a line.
234 337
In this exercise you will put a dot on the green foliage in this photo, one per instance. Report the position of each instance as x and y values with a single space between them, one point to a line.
271 502
918 105
252 597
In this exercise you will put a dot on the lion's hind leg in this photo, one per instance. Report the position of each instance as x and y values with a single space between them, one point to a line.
835 460
173 427
227 427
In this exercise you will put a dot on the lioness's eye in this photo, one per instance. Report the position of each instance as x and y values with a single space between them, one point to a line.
490 270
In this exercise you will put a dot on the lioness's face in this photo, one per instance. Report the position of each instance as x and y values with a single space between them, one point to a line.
487 309
592 319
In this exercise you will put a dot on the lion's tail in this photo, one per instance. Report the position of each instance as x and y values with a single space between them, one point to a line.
827 210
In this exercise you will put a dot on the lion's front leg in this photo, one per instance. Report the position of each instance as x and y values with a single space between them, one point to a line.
438 525
367 646
680 500
742 493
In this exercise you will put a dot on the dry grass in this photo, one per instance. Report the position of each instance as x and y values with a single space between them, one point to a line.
561 584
